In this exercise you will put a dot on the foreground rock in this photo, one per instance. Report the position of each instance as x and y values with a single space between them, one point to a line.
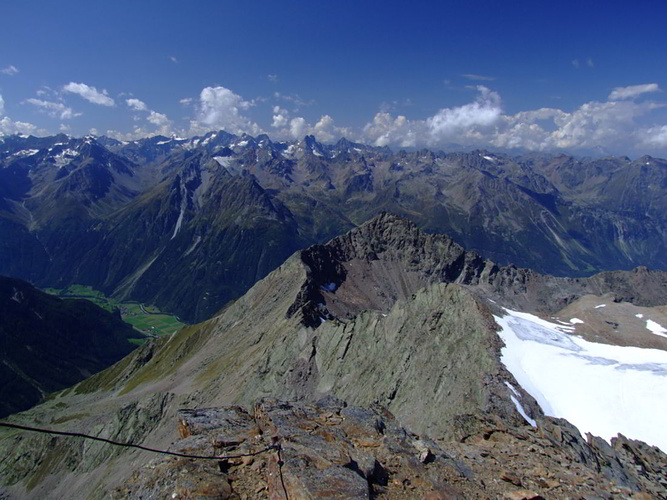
330 450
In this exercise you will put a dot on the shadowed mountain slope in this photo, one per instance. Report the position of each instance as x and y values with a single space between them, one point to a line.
48 344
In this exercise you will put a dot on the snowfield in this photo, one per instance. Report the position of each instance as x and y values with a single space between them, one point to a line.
602 389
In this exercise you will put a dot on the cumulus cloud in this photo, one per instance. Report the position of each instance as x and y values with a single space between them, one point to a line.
90 94
324 129
64 128
160 120
220 108
458 124
186 101
654 137
54 109
632 91
614 124
451 123
280 117
136 104
10 70
298 127
9 127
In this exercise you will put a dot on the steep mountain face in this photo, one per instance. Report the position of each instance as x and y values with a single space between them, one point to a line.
48 344
385 314
70 203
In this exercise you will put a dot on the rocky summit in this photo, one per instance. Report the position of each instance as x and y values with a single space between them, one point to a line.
396 322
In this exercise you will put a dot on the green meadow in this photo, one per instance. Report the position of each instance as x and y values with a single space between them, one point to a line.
147 319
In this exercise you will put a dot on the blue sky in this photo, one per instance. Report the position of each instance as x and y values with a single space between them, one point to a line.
534 75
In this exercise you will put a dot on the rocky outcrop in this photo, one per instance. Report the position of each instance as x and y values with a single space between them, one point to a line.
389 258
330 450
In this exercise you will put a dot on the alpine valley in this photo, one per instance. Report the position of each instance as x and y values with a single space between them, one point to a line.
191 224
366 323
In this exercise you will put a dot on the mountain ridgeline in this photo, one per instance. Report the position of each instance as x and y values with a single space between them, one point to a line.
191 224
385 317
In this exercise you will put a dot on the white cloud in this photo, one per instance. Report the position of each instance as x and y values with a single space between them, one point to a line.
9 126
295 99
54 109
64 128
90 94
654 137
451 123
298 127
280 117
93 131
272 78
220 108
324 130
458 124
632 91
590 63
473 76
2 106
186 101
160 120
575 63
137 104
173 59
10 70
613 124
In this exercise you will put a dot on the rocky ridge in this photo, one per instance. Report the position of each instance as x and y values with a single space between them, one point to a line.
328 449
384 315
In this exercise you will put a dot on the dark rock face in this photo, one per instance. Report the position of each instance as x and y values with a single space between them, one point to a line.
331 450
47 344
388 258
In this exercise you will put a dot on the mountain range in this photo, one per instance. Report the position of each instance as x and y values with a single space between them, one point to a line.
191 224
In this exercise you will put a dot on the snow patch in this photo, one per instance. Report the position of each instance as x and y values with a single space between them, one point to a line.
24 153
489 158
519 407
522 412
65 157
164 142
575 321
640 316
600 306
602 389
656 328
